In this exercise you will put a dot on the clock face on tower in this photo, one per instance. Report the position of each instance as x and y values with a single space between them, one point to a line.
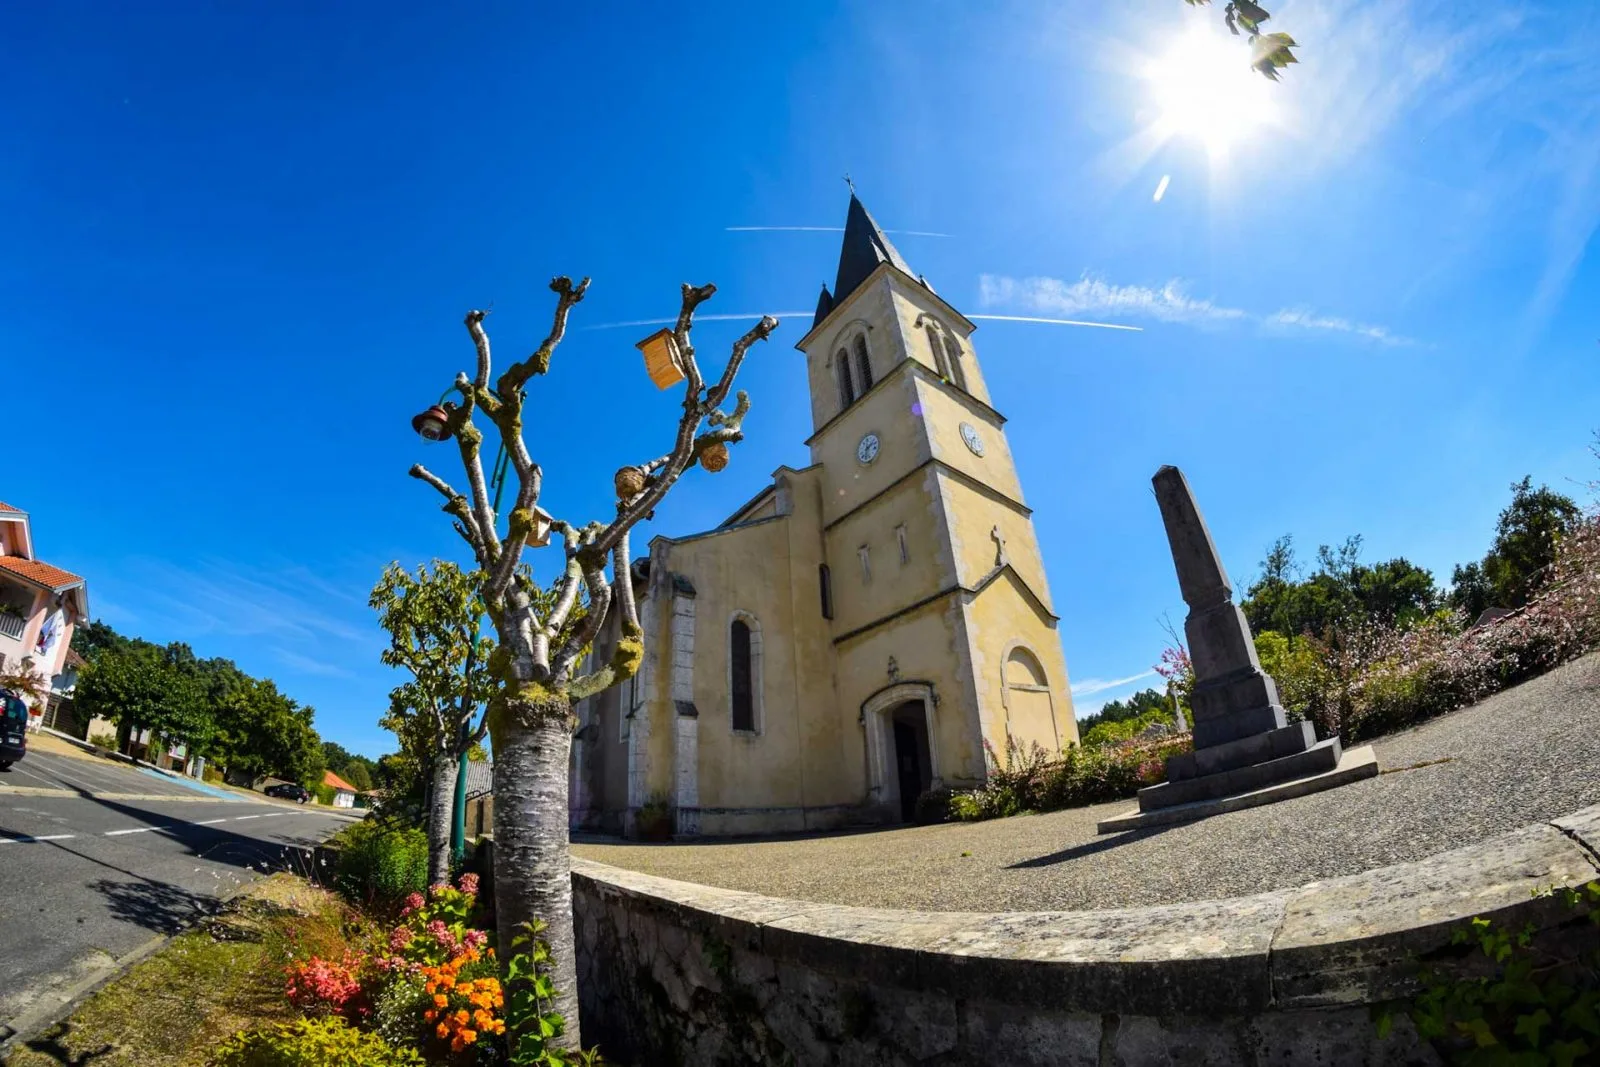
969 434
867 450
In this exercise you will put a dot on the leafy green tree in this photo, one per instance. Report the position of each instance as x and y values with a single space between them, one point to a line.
1525 540
1136 706
92 638
432 618
355 772
262 732
143 686
1341 590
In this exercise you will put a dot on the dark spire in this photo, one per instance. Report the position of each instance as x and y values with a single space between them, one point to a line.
865 246
824 305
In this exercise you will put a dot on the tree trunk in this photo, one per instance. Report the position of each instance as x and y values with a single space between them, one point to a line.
442 797
532 867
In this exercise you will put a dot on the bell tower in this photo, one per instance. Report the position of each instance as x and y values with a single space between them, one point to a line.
923 514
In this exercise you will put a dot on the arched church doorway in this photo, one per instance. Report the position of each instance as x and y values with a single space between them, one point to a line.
912 760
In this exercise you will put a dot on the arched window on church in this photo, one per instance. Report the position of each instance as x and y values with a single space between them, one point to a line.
744 673
863 364
847 390
958 373
941 360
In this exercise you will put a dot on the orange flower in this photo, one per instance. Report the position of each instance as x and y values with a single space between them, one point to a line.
440 1000
469 1036
442 1030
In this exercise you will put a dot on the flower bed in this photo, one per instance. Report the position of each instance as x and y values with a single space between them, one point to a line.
1034 781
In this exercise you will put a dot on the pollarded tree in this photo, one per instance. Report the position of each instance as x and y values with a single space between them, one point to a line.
537 667
432 619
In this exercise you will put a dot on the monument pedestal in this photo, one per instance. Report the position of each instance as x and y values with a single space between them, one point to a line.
1353 765
1246 752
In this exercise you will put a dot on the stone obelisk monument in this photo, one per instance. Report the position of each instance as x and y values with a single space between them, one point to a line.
1246 752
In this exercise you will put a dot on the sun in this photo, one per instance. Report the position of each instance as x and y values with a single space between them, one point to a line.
1203 88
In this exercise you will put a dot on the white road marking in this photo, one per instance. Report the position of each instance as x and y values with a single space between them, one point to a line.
26 839
209 822
139 830
242 818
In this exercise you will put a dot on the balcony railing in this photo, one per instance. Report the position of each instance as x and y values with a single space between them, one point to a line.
11 625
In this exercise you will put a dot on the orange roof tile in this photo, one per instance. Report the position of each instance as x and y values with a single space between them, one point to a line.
39 573
7 507
329 778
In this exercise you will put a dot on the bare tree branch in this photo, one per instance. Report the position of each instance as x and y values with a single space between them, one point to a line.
539 362
455 504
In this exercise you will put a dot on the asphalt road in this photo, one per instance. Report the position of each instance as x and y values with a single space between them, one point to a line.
97 858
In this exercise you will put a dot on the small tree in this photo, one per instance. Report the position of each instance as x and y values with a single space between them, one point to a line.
536 668
432 619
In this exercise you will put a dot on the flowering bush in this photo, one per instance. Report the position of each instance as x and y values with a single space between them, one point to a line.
1370 679
321 986
466 999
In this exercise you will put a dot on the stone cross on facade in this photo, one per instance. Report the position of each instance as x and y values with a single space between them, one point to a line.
1000 559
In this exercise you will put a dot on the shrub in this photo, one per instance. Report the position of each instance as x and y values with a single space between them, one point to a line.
654 820
1034 781
324 1042
380 865
321 986
211 774
323 792
932 806
104 741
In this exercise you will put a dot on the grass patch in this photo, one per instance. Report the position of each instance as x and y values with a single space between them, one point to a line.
173 1009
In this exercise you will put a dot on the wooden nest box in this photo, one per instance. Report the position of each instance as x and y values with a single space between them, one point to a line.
661 358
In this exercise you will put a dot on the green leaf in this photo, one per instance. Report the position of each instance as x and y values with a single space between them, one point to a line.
1566 1053
1529 1025
1479 1030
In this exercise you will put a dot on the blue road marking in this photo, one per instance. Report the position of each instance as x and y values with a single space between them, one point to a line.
190 783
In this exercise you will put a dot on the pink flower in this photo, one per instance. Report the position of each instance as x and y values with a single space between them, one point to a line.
475 939
399 938
414 902
468 883
438 889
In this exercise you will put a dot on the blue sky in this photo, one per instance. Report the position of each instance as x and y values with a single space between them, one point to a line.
237 241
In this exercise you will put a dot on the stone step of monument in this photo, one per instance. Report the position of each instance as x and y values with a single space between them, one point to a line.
1319 758
1354 765
1257 748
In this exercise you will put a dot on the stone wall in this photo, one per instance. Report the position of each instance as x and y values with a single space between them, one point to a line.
673 973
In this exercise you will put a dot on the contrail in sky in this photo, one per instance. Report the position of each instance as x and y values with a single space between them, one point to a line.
823 229
1058 322
755 316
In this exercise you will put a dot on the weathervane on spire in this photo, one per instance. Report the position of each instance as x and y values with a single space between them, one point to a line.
850 183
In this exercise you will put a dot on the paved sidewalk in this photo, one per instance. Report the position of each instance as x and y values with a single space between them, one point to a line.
1526 755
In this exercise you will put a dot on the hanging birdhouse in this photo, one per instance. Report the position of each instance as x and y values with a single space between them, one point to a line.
661 358
715 457
540 535
629 482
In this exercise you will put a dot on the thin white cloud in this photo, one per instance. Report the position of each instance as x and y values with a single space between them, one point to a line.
1300 318
822 229
1090 295
311 665
1090 686
1169 303
753 317
1057 322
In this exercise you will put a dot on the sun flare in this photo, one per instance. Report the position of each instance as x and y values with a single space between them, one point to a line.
1203 88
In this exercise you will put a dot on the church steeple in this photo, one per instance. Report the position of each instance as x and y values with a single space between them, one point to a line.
865 246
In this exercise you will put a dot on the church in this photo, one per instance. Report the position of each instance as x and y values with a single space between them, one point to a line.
869 627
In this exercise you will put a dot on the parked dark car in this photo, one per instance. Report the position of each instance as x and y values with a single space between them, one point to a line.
13 728
288 791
